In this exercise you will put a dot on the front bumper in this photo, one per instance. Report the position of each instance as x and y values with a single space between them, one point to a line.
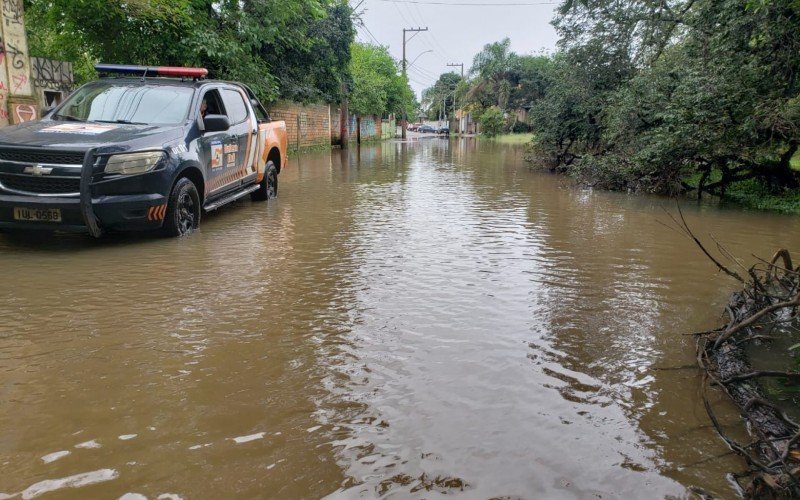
125 205
120 212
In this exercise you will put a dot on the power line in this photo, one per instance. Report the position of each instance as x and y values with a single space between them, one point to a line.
424 73
371 35
430 34
473 4
397 6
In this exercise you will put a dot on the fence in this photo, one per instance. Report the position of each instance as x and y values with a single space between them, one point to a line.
310 125
388 128
306 125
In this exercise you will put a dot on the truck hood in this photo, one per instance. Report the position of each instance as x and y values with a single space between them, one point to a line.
84 135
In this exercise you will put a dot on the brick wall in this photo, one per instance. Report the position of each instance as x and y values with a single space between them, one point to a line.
307 125
319 125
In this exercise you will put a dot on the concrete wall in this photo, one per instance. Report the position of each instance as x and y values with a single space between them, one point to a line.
52 80
336 127
17 102
370 128
388 128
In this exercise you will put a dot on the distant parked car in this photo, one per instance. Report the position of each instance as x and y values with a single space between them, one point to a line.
426 129
412 127
443 131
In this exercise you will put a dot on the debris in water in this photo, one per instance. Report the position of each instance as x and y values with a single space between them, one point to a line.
88 444
52 457
247 439
76 481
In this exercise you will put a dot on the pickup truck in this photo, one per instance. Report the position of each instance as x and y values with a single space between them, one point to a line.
149 152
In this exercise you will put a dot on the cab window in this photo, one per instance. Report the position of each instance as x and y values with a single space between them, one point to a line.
213 104
234 103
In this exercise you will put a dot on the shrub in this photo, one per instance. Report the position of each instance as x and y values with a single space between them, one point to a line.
492 121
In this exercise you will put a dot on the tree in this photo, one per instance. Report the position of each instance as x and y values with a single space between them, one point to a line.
438 99
492 68
645 94
377 85
297 49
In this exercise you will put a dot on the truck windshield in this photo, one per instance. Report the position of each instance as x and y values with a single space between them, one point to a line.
127 103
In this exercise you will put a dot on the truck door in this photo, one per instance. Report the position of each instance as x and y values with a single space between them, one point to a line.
212 145
242 131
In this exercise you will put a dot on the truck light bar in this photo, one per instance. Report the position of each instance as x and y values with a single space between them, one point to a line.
129 69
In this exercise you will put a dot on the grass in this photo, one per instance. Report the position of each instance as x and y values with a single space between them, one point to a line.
795 161
753 194
513 138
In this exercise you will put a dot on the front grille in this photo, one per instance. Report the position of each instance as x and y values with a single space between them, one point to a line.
40 156
41 185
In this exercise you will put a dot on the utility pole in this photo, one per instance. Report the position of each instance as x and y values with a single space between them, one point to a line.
404 121
458 122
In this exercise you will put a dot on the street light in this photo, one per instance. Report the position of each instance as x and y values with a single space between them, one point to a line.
415 59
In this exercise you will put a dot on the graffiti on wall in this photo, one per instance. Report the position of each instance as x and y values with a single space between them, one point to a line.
14 49
51 75
21 112
303 123
12 12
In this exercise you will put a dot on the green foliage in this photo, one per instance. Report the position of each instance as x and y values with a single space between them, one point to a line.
439 100
298 49
377 87
492 67
504 79
520 128
492 122
753 193
643 95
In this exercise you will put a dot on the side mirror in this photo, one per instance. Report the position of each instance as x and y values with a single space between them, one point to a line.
216 123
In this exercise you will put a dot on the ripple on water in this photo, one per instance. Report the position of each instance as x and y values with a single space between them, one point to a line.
406 319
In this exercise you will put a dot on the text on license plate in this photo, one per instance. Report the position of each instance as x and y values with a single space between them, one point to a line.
37 214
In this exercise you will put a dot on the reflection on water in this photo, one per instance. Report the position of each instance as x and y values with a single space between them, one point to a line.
411 318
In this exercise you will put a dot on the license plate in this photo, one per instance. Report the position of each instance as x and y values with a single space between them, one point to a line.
37 214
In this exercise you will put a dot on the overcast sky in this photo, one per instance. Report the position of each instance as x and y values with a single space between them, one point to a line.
456 32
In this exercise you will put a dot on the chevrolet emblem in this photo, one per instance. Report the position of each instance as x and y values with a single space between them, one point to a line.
37 170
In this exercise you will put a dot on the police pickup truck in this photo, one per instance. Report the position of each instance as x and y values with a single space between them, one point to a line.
150 152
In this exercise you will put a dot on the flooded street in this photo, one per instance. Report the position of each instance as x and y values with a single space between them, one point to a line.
412 319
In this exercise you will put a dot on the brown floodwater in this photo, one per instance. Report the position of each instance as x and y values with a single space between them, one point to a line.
412 320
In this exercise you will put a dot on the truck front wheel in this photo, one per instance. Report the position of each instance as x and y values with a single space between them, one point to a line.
268 187
183 209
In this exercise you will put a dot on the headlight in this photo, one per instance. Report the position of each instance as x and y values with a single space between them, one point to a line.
134 163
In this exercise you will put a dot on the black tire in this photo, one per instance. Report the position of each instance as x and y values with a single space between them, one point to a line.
268 187
183 209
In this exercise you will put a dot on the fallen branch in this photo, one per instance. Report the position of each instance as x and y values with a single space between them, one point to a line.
755 317
760 373
763 309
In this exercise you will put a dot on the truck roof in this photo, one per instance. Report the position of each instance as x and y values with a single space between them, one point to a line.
160 80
